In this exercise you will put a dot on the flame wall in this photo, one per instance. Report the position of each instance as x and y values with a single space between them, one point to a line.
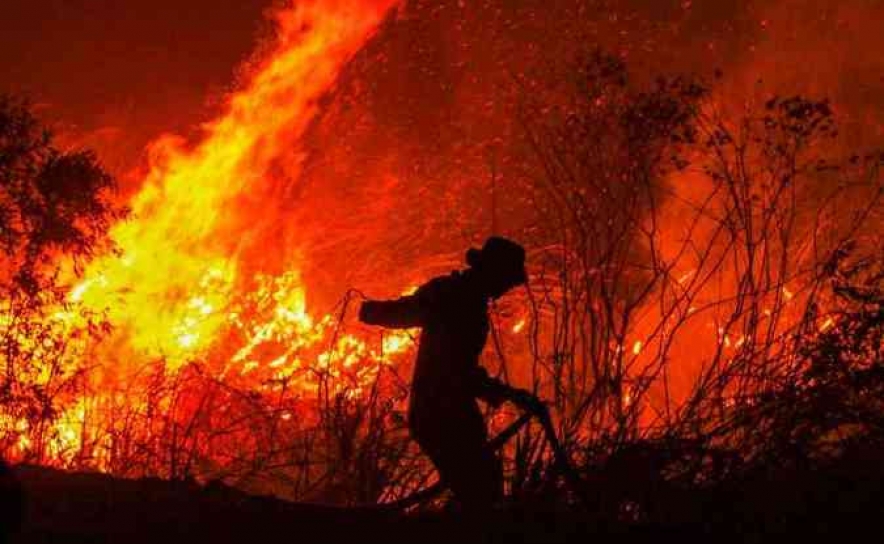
359 150
200 227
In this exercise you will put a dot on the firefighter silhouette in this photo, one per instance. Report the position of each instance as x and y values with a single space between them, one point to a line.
444 418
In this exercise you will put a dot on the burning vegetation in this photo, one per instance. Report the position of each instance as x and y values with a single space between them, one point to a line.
705 302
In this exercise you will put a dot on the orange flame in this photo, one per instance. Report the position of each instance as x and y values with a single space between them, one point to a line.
172 286
181 286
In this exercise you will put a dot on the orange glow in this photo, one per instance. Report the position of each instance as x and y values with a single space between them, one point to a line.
181 288
205 285
172 287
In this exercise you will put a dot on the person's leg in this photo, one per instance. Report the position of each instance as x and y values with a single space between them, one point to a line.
474 476
467 465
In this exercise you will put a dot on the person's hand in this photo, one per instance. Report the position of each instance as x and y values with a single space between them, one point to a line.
526 400
495 397
365 312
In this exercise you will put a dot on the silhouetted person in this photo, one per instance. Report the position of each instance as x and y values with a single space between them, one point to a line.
444 419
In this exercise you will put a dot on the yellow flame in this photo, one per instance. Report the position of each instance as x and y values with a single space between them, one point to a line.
182 285
171 288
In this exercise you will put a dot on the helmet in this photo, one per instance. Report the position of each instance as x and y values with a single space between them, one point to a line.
500 257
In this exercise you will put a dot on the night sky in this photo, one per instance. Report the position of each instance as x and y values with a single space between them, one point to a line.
114 74
153 66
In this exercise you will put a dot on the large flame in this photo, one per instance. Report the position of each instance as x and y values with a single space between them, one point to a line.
184 285
171 288
202 277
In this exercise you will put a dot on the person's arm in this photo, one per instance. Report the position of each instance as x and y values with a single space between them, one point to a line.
491 390
401 313
404 312
495 392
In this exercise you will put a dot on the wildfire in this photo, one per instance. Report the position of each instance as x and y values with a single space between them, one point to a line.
202 287
176 283
182 287
173 285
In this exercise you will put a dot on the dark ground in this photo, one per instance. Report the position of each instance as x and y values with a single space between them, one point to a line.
87 508
66 507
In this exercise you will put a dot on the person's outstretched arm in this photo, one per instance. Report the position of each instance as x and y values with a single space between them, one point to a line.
405 312
401 313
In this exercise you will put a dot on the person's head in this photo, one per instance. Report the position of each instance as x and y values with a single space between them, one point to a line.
499 265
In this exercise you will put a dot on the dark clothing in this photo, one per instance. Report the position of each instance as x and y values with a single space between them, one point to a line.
443 415
453 315
455 439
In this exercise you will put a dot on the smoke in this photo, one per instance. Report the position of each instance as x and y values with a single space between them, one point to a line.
354 157
398 175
